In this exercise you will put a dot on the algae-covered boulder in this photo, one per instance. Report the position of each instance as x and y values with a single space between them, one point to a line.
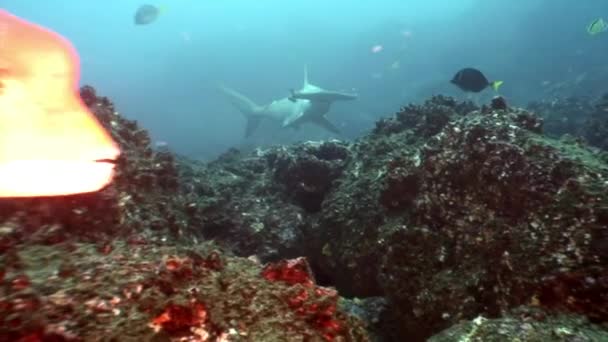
444 213
502 215
452 211
130 263
527 325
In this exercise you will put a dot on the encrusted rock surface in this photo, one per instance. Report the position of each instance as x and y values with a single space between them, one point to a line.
501 212
446 210
581 118
443 213
526 324
129 263
149 292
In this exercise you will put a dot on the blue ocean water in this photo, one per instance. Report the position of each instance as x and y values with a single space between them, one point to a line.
165 74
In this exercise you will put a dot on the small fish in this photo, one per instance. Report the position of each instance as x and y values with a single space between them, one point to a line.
146 14
469 79
395 65
597 26
376 48
161 144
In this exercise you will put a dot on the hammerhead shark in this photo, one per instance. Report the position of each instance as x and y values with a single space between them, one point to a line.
308 104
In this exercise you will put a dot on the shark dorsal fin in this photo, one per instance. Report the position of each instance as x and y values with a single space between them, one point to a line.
305 75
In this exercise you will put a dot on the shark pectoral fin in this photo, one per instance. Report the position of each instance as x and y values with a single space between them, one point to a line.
294 120
343 96
323 122
252 123
350 96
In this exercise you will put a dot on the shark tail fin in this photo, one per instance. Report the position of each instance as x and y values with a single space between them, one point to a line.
240 101
247 107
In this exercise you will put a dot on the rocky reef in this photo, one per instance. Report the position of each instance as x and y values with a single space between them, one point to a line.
446 216
525 324
129 263
575 118
446 210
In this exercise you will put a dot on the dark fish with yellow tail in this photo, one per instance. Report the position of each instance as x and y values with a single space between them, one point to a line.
473 80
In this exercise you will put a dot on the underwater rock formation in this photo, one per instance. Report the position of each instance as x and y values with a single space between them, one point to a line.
449 212
129 263
443 213
525 324
563 115
150 292
582 118
500 211
596 126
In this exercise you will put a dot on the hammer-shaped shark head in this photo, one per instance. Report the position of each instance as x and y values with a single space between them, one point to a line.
312 92
310 104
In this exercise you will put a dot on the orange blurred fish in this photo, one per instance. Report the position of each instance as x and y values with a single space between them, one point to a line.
50 144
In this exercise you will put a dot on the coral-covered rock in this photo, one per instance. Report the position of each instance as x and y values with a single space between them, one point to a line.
526 324
308 173
317 305
426 119
148 292
494 199
118 264
446 212
142 195
499 103
581 117
452 212
595 129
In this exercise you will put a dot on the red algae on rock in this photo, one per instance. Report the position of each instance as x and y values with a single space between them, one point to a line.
137 293
317 305
128 264
182 319
294 271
